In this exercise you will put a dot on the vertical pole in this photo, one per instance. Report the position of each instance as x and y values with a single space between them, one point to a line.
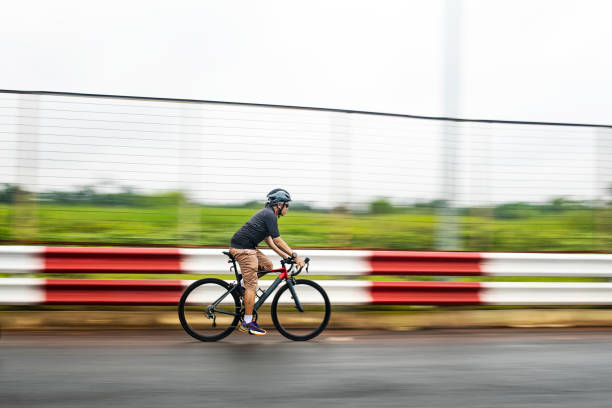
447 234
24 205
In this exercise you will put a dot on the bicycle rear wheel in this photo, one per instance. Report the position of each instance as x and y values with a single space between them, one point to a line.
306 324
199 316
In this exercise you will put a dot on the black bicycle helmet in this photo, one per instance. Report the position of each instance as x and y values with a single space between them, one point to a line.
278 195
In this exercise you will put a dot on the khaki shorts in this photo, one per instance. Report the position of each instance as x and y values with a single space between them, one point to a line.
250 261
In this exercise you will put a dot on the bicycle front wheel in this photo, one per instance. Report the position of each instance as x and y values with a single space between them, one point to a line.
208 311
304 324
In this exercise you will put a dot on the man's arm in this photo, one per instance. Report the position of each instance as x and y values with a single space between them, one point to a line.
275 248
282 245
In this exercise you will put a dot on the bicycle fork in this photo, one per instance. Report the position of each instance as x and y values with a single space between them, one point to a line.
294 295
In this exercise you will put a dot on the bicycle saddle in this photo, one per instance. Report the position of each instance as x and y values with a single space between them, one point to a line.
228 254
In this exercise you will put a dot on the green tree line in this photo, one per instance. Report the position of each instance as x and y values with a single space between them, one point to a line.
127 197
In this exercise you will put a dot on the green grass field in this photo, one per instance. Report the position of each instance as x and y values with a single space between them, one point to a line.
413 229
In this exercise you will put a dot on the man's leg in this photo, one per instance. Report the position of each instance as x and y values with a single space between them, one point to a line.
247 259
249 301
263 262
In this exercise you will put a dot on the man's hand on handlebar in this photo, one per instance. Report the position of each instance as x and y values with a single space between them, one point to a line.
300 262
295 260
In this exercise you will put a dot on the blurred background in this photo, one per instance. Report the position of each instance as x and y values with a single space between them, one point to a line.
113 170
373 165
449 125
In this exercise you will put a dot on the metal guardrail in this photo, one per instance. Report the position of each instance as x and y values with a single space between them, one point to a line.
27 259
42 259
17 291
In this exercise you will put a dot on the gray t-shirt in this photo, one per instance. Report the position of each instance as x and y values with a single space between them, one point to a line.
262 224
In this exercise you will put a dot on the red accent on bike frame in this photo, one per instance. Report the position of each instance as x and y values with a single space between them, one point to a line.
283 272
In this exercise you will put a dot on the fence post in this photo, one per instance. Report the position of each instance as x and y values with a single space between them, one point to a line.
447 234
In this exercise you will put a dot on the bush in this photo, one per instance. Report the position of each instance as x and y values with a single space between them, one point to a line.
381 207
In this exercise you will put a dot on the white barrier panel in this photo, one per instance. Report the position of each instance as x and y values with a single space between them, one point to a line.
348 292
546 293
204 261
341 262
324 262
525 264
20 291
21 259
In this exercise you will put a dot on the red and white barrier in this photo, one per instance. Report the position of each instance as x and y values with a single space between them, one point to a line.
15 291
40 259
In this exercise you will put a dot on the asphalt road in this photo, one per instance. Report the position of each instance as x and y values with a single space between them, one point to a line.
458 368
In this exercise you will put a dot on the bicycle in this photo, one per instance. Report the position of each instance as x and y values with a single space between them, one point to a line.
210 308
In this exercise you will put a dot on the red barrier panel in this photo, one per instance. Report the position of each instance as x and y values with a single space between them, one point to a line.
425 293
83 260
425 263
112 292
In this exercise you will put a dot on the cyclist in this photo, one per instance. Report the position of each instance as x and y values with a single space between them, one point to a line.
263 225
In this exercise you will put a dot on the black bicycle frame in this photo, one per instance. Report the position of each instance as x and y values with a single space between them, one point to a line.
273 287
284 275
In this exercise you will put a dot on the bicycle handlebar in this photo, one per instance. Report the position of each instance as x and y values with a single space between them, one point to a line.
291 261
306 261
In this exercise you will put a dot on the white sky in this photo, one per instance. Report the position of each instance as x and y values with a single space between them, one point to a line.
520 60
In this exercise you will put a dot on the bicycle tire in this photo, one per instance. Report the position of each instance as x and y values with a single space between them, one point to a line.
213 290
290 328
